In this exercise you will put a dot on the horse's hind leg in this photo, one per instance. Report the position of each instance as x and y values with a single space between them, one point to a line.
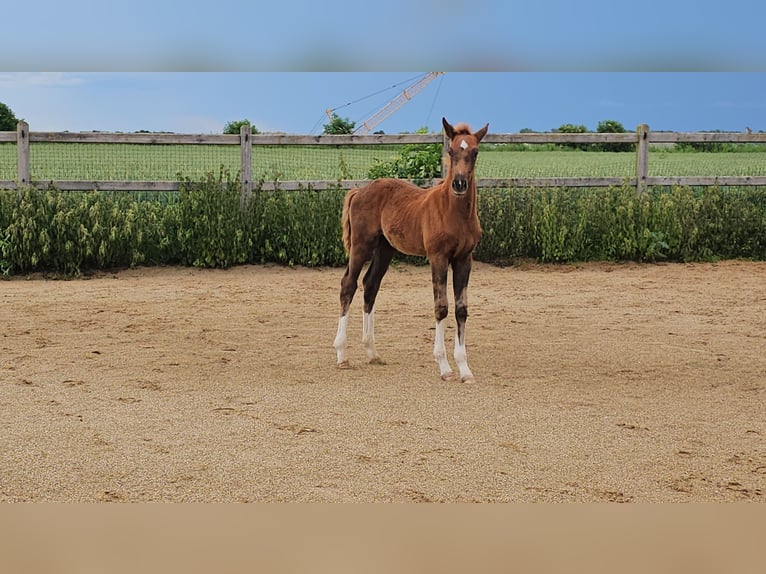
461 271
347 290
381 259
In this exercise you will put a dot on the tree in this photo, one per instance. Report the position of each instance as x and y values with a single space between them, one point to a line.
339 125
573 129
8 120
233 127
613 127
610 127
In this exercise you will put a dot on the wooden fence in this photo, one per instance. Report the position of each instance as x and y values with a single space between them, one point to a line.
643 138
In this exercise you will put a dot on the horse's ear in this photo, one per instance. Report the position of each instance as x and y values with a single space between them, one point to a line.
448 129
481 133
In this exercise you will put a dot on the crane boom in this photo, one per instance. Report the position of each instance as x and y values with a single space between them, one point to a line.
409 92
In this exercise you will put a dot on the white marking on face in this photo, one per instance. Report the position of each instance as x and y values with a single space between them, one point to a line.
463 145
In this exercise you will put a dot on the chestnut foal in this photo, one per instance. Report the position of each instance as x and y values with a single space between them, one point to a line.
389 215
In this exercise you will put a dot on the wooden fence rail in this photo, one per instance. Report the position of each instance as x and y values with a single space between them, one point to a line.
643 138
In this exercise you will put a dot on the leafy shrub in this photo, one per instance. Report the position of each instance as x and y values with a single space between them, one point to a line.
417 162
208 225
296 227
210 230
5 266
65 232
616 224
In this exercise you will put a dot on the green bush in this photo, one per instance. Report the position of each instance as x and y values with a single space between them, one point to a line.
616 224
66 232
418 162
296 227
210 226
207 224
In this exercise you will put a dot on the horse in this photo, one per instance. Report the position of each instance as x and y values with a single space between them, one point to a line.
441 223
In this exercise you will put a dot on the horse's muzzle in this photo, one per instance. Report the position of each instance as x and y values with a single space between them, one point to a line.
459 185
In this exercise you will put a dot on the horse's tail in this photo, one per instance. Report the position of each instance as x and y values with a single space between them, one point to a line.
345 219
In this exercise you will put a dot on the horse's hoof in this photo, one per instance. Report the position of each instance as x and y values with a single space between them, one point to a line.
447 376
377 361
468 379
344 365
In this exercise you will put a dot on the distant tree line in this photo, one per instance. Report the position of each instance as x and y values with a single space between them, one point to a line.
604 127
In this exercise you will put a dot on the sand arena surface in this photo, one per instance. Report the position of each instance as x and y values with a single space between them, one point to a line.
599 382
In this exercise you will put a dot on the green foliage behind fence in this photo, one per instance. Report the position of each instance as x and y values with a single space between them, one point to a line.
206 225
616 224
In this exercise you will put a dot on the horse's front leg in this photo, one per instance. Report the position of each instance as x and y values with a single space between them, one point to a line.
378 266
461 272
441 309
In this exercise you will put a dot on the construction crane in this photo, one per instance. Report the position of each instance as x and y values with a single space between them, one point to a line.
409 92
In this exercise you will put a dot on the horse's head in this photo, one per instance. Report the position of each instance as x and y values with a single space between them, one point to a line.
463 151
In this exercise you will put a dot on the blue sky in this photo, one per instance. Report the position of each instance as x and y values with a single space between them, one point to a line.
192 66
295 102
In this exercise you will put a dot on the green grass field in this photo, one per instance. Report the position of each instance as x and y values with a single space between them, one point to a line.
52 161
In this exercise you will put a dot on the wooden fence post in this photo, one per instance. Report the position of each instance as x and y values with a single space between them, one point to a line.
23 177
642 158
246 163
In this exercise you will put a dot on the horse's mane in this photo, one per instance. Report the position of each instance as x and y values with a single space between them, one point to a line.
462 129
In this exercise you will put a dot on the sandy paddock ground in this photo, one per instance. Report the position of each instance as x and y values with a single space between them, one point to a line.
623 383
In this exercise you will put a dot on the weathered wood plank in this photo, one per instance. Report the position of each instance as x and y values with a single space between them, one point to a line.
554 181
704 137
318 185
83 185
119 138
348 139
559 138
321 185
735 180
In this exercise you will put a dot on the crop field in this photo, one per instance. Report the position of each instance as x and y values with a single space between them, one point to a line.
83 161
